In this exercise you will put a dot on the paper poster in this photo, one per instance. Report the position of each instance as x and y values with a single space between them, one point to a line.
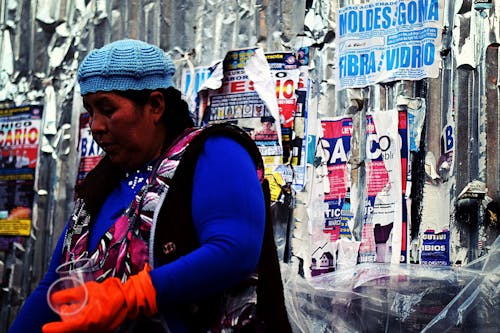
237 101
300 145
192 81
435 248
403 125
386 211
377 181
284 68
381 41
416 121
446 160
90 152
335 144
387 207
19 142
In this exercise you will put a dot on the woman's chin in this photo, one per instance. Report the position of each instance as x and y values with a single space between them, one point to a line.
126 164
118 160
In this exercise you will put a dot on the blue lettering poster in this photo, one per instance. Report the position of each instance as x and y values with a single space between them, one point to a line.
384 41
435 248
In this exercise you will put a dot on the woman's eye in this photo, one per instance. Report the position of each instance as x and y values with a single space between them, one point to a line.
108 111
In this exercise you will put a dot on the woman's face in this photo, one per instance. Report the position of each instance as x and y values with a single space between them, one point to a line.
267 125
130 134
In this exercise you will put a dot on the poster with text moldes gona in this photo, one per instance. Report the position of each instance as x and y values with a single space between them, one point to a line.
19 143
382 41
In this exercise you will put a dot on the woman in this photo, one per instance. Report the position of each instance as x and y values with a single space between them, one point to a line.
173 217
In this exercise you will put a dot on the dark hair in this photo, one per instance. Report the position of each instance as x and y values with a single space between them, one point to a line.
101 180
268 119
176 117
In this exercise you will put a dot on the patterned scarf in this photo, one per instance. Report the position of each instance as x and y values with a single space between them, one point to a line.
125 247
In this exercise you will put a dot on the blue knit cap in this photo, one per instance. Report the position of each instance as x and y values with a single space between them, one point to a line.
125 65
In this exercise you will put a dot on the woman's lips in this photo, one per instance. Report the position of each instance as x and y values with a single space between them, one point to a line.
106 146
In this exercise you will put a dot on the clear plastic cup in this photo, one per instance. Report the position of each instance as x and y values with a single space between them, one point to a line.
80 268
72 275
67 296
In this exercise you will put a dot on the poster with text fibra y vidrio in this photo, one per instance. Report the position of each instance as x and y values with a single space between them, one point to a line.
383 41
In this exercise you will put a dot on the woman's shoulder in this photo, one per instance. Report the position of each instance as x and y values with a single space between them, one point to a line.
230 140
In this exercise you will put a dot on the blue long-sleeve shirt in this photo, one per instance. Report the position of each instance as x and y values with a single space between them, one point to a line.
229 216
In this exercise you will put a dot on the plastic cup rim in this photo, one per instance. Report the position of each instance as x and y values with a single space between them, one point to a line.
84 268
81 285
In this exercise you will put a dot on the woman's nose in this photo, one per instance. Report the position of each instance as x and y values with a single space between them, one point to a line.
97 123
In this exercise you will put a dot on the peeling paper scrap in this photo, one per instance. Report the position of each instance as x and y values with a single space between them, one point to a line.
50 111
6 55
258 71
388 202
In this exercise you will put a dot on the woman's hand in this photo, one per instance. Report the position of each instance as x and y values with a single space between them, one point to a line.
109 304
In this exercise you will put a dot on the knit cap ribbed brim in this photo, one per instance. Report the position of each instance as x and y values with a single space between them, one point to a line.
125 65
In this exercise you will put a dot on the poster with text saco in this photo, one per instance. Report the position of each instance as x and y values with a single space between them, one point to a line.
382 41
336 146
385 229
378 184
19 143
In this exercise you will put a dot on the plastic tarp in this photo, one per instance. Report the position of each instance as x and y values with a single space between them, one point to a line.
375 297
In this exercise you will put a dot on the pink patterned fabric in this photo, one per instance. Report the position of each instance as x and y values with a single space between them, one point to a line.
124 248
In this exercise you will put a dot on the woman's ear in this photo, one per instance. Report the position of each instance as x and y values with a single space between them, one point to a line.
156 103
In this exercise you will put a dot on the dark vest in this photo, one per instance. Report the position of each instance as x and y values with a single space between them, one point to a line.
182 236
175 236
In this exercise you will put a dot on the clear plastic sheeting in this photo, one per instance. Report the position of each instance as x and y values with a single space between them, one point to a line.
398 298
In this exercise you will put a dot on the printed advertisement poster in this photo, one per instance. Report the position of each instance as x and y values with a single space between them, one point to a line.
285 70
90 152
191 82
272 111
387 202
19 142
445 163
336 146
238 99
404 135
386 213
299 145
381 41
377 180
435 248
387 209
237 102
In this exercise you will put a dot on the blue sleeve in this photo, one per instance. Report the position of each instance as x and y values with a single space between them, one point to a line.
229 215
35 311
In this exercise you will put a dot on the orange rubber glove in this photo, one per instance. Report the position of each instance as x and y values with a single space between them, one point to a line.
109 304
